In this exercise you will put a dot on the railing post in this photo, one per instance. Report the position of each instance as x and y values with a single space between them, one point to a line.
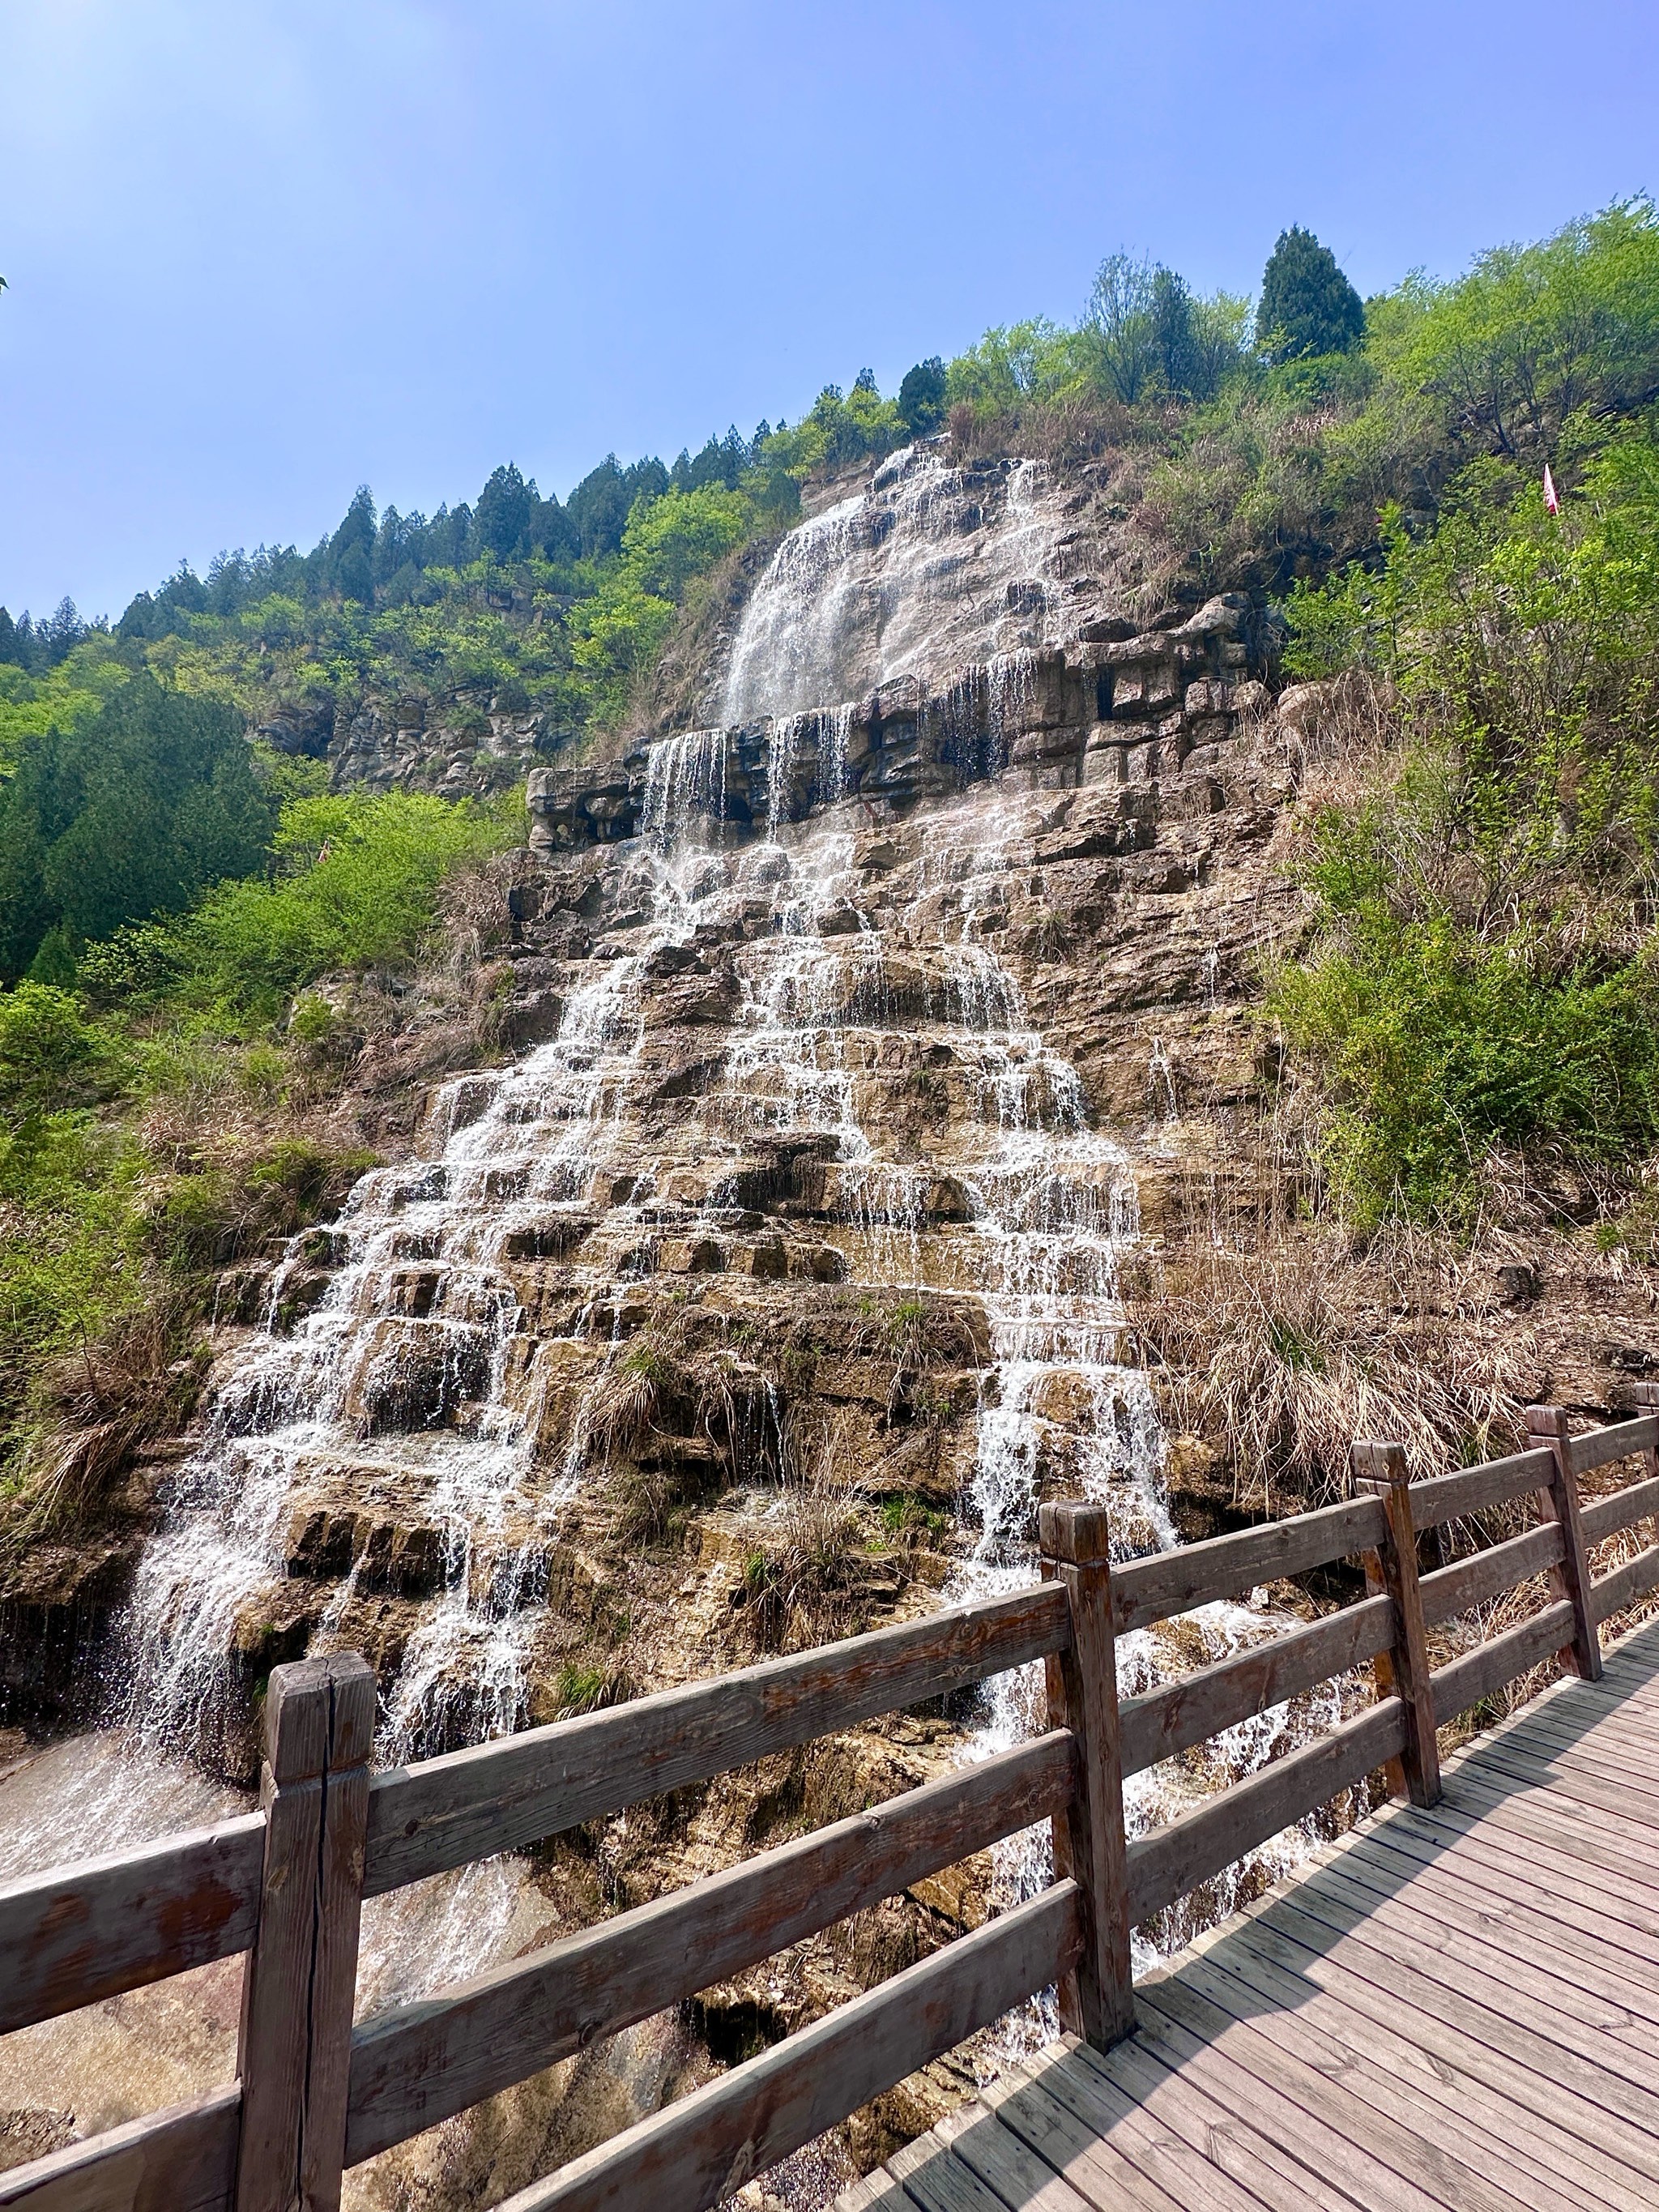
1647 1398
295 2048
1097 2001
1403 1671
1546 1428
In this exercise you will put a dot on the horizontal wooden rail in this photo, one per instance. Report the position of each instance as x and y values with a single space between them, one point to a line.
1194 1707
1480 1674
1636 1578
498 1797
1155 1589
1606 1516
1445 1498
1487 1575
1176 1857
416 2065
183 2160
1617 1441
91 1929
710 2144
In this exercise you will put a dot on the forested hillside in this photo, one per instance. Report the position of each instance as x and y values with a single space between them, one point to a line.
202 940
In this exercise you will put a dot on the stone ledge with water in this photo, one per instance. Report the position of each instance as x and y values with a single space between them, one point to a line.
800 1219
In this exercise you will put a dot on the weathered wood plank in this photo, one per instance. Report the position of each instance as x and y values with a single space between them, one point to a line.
419 2063
1515 1883
735 2127
1630 1803
1161 1723
182 2159
1617 1441
1403 1670
498 1797
1005 2162
295 2048
1480 1674
1097 2001
1487 1575
1279 2102
934 2181
1165 1864
1597 1997
1474 2082
1104 2089
1475 1489
1602 1518
876 2192
1379 2120
89 1931
1610 2075
1472 2043
1613 1592
1540 2165
1129 2159
1167 1583
1558 1500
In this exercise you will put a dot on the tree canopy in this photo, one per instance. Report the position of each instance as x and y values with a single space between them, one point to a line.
1307 305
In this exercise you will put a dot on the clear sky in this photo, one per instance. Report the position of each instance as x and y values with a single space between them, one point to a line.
262 250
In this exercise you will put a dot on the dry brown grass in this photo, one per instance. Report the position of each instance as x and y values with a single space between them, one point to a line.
806 1588
1281 1352
97 1406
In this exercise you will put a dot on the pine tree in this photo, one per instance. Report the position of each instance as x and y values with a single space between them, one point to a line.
921 397
506 509
1308 305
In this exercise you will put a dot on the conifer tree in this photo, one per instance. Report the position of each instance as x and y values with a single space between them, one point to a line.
1308 305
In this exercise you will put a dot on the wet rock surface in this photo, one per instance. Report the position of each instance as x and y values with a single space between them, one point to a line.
850 1061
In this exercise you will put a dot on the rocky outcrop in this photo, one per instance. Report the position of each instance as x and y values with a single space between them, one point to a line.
463 745
1111 707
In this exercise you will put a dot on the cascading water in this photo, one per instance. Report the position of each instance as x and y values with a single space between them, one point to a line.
929 569
876 1023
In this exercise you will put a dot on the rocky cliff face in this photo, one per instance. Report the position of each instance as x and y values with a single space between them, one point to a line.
463 746
756 1295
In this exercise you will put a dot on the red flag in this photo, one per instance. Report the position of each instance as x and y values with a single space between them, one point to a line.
1551 499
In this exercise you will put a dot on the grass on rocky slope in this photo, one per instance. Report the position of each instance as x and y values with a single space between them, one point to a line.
188 1106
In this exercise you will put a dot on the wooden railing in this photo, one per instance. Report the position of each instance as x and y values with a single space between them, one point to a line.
317 2091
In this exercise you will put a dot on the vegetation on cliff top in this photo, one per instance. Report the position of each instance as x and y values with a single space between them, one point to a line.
1479 1001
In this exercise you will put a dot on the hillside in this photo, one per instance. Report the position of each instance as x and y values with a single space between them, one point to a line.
594 1090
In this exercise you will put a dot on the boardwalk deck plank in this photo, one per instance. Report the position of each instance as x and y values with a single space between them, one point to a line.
1447 2095
1159 2158
1454 2009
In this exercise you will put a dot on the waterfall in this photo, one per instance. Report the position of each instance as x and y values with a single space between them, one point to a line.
929 569
412 1441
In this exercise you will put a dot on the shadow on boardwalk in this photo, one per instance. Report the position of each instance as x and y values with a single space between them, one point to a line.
1451 2007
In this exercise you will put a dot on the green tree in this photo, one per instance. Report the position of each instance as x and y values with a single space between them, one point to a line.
127 815
1307 305
350 553
507 507
1120 319
921 397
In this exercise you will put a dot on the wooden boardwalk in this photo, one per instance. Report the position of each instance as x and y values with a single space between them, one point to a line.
1456 2008
1459 2007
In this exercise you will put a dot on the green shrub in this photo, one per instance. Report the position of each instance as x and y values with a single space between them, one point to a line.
355 887
1483 974
1436 1047
52 1056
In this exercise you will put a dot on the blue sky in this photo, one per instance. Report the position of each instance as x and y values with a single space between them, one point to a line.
262 250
